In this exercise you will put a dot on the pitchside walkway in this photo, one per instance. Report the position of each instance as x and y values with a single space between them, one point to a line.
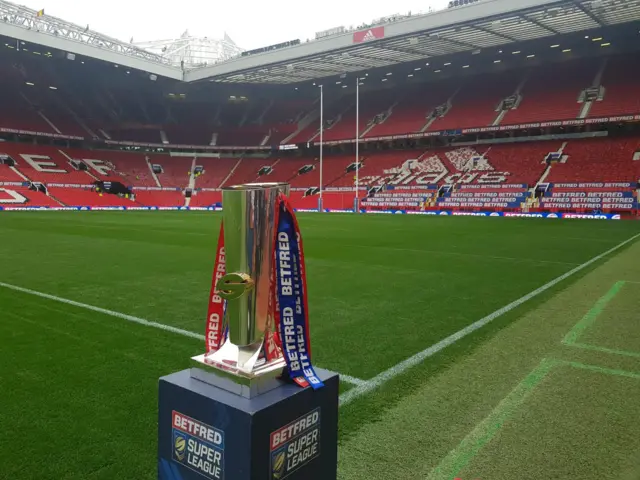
552 396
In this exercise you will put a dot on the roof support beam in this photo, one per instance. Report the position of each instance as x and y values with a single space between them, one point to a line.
460 43
589 13
368 57
297 73
28 19
537 23
332 68
348 63
422 54
491 32
406 51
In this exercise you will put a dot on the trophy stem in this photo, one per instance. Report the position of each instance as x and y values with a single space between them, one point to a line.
249 219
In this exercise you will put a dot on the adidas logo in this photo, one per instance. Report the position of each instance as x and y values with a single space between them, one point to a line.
368 36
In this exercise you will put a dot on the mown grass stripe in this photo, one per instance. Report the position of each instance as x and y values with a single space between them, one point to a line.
613 351
482 434
606 371
419 357
123 316
590 317
138 320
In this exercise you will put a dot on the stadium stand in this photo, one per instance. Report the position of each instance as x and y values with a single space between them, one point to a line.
540 103
78 121
18 114
42 163
11 196
588 198
400 200
333 112
339 170
176 171
524 161
374 107
484 199
621 92
475 103
281 118
192 124
160 198
81 197
598 160
204 198
541 93
216 171
411 113
298 172
126 167
506 174
9 174
246 171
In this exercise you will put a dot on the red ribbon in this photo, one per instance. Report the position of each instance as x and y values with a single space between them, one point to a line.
214 335
215 311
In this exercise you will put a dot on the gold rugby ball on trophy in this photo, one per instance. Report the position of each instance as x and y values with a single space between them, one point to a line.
234 285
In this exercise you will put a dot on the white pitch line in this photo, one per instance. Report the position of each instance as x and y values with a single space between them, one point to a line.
352 380
375 382
122 316
138 320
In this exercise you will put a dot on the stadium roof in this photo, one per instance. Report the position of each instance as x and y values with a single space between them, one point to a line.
27 25
192 52
468 28
477 26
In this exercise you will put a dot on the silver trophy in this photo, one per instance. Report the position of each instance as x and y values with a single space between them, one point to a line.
249 214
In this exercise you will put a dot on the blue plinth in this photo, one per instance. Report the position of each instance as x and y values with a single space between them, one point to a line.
205 431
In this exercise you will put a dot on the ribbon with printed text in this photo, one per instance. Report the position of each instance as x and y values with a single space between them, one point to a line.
288 304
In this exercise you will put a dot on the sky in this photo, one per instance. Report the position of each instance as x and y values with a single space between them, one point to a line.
249 23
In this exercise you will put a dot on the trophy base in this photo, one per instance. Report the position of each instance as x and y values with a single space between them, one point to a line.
205 431
261 379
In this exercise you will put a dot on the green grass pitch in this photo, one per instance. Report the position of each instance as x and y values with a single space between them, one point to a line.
78 388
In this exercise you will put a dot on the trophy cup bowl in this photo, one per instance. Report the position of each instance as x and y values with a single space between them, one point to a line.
249 216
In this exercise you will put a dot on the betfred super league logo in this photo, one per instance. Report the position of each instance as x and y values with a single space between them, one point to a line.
295 445
179 445
198 446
